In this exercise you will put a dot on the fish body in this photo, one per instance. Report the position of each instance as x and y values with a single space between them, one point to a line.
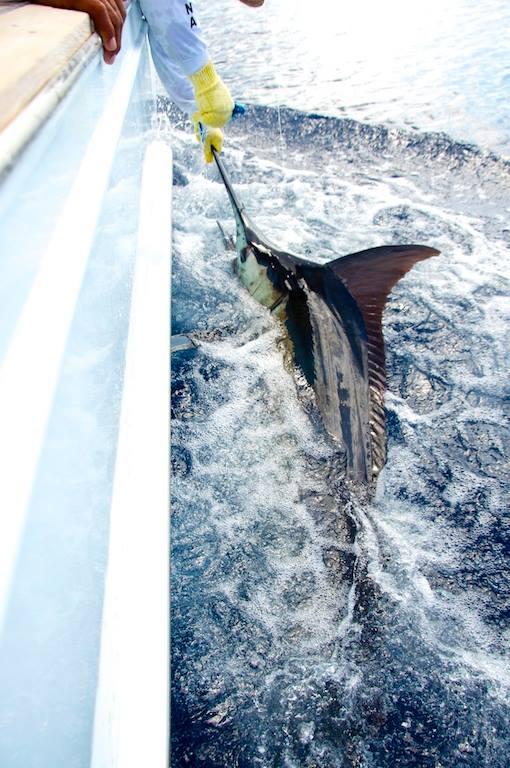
333 316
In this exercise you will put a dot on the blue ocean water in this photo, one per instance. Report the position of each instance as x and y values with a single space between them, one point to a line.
311 624
443 65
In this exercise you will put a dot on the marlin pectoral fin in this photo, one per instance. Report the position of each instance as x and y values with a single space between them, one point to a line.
228 241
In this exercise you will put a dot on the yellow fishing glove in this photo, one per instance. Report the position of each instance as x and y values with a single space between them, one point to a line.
213 99
213 138
209 138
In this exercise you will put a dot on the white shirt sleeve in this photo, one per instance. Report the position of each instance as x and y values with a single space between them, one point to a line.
177 46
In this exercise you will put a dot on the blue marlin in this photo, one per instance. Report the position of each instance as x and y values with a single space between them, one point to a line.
333 317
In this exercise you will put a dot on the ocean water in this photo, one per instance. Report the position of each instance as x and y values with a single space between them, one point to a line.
312 625
442 65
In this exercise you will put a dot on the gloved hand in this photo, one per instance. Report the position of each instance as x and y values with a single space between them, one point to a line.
214 102
209 137
213 138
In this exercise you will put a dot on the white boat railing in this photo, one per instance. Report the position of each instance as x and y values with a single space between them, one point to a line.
135 637
85 243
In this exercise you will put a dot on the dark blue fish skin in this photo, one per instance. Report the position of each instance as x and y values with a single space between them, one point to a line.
333 317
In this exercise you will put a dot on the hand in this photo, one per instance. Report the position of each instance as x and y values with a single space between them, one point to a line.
213 99
209 138
108 17
213 138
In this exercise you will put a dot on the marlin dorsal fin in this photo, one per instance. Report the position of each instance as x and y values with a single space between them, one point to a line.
369 276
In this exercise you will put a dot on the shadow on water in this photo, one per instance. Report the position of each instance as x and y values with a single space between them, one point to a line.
312 626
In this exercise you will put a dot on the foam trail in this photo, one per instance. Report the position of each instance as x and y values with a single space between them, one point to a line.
324 628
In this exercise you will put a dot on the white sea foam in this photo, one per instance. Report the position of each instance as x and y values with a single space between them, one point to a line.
301 605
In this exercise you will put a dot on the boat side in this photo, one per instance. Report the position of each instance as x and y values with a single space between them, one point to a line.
85 183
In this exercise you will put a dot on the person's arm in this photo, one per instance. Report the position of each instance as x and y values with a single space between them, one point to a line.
108 18
177 46
173 26
182 62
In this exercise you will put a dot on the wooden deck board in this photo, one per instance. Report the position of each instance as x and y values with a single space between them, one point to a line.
35 44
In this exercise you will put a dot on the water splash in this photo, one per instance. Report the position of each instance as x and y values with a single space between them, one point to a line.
312 627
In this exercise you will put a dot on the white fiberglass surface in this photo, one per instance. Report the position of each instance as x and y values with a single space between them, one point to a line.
50 634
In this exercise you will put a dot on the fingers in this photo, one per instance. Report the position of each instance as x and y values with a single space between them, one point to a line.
213 139
121 8
209 138
117 16
108 23
107 16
